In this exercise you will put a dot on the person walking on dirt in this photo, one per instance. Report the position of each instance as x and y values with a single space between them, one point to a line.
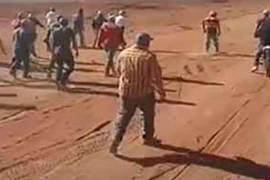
120 22
211 27
61 47
33 22
78 26
55 26
258 34
21 50
139 77
97 23
110 40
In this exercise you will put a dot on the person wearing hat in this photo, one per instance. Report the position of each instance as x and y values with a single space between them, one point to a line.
62 38
21 50
139 77
78 26
211 27
258 34
120 22
97 23
109 40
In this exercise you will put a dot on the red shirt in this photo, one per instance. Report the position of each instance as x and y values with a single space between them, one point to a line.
110 36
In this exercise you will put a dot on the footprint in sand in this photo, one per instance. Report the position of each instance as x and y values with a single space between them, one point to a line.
187 70
200 68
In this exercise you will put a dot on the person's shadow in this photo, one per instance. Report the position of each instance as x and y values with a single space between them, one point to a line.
239 165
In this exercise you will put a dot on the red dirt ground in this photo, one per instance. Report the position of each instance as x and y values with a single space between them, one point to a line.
214 126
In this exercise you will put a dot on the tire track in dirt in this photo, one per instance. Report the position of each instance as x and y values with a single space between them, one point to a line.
223 135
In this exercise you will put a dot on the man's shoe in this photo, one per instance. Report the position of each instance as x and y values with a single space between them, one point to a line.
152 142
254 68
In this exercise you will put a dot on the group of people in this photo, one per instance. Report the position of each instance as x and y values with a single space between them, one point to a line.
137 67
108 32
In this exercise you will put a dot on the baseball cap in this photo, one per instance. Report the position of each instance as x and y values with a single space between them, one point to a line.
143 38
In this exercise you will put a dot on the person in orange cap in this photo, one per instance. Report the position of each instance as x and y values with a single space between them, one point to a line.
211 27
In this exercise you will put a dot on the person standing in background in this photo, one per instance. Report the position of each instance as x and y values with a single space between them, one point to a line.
211 27
109 39
78 26
120 22
97 23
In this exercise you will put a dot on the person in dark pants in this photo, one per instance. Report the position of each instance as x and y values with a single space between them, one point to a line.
139 77
55 26
78 26
120 22
110 39
258 34
61 47
33 22
97 23
21 50
211 27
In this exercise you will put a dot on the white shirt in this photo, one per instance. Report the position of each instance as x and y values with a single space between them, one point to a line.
51 18
120 21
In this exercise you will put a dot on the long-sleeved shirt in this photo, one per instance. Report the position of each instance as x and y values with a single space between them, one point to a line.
78 22
139 73
62 39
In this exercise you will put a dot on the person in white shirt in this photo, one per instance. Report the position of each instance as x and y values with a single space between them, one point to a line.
120 21
51 17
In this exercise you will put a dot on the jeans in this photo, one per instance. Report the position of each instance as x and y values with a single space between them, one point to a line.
110 52
128 107
81 36
214 38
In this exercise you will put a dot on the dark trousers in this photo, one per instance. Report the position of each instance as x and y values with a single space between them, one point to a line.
212 37
22 56
122 34
62 59
96 36
32 44
259 54
80 33
128 107
110 52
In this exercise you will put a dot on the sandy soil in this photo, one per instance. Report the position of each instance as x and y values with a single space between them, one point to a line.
214 126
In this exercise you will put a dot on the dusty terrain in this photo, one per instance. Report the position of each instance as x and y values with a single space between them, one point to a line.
214 125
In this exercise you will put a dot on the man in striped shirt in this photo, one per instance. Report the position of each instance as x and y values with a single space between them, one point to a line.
139 77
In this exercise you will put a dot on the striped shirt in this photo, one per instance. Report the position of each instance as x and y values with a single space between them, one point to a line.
139 72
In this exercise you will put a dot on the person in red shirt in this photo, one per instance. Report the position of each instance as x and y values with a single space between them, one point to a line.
110 39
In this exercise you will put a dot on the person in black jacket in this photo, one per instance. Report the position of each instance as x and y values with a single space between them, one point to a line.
78 26
62 39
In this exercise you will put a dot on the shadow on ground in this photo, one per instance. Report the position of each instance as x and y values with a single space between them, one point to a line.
184 156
